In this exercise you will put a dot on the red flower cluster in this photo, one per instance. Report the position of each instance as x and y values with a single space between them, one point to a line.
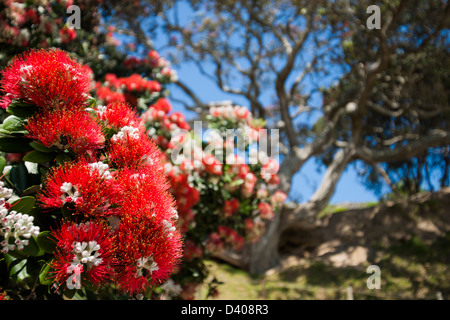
125 89
119 221
49 79
84 252
161 69
116 115
86 189
67 34
159 112
66 129
225 237
185 194
246 187
231 207
134 82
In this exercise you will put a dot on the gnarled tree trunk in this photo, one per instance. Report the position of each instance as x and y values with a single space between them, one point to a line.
264 254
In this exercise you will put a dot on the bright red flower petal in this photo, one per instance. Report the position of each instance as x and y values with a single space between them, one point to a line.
50 79
75 130
86 189
147 252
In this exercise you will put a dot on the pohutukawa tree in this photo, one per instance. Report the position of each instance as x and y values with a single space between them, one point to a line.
98 214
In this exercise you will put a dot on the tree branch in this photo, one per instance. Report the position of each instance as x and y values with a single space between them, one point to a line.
437 138
321 197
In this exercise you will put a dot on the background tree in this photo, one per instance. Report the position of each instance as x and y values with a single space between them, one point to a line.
384 92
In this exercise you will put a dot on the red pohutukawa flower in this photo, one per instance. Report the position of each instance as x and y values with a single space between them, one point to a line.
75 130
145 190
147 251
50 79
87 188
83 252
148 243
116 115
132 148
163 105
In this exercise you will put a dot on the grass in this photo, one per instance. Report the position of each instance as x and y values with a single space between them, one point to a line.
411 270
335 208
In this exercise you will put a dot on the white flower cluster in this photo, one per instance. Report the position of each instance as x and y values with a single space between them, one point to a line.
227 111
70 192
5 193
132 132
100 110
18 226
15 228
166 70
102 168
86 253
145 263
168 227
171 289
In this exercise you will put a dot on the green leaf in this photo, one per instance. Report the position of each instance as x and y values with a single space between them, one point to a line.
20 132
61 158
92 102
9 259
2 164
43 171
40 147
38 157
237 182
19 176
23 275
14 144
13 123
16 266
44 274
109 132
24 204
32 249
46 241
21 109
31 190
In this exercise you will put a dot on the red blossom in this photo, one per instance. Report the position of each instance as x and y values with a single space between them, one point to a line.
116 115
83 252
230 207
145 190
265 211
132 148
67 35
162 105
107 95
50 79
212 165
147 253
225 237
75 130
192 251
278 198
86 191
